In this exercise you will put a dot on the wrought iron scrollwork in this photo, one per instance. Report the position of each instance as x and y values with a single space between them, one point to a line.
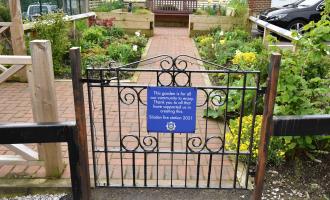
196 144
132 143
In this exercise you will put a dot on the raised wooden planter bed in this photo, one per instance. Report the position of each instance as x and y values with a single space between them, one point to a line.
130 22
199 24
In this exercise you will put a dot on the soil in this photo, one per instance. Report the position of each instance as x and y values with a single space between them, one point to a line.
299 179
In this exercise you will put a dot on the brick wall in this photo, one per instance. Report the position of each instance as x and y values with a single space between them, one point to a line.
258 5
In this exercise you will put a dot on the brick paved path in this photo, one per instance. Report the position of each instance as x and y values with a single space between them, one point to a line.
15 107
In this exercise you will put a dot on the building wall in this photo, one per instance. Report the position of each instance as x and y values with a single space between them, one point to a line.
259 5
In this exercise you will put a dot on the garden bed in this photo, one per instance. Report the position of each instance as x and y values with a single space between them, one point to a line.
200 24
130 22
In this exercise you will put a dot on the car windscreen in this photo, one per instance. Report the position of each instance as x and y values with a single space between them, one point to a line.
53 8
36 10
308 3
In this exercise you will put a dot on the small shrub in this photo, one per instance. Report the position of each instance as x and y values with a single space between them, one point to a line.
52 27
4 13
276 152
109 6
240 7
122 53
116 32
140 11
95 34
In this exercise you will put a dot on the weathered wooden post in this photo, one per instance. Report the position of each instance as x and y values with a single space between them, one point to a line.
81 136
264 37
17 35
44 104
269 103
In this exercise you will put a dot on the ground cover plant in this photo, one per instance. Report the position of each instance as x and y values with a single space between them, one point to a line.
233 8
109 6
303 86
100 45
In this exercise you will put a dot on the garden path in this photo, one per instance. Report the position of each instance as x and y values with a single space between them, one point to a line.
15 106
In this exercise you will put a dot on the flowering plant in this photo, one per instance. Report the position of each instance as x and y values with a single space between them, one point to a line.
246 59
276 152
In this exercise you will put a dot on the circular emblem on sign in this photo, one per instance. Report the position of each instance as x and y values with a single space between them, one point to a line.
170 126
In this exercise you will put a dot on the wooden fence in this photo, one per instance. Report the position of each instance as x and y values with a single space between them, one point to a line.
44 106
172 7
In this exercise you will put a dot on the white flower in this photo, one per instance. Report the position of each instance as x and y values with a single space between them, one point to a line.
237 52
221 33
212 45
328 52
137 33
135 47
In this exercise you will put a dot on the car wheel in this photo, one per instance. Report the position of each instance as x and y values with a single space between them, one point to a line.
297 25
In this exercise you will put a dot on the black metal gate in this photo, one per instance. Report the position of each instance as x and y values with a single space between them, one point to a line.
126 155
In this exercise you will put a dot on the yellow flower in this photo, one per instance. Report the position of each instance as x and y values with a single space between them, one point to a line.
222 42
206 40
244 58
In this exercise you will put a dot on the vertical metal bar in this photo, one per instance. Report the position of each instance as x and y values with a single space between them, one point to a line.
119 123
269 103
91 123
198 166
157 159
133 168
255 100
105 134
209 172
224 130
145 169
172 151
207 113
240 129
186 167
139 117
79 137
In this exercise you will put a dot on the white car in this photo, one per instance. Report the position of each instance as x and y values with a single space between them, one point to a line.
33 10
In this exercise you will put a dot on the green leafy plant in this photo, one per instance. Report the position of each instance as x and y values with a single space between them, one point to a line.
95 34
240 7
109 6
140 11
52 27
276 152
4 13
303 86
100 46
123 53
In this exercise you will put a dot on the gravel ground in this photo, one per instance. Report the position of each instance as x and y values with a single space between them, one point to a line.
300 179
40 197
149 194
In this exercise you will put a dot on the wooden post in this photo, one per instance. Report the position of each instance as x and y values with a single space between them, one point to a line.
264 38
81 137
17 35
269 103
44 104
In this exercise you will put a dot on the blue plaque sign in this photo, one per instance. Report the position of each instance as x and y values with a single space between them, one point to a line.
171 109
